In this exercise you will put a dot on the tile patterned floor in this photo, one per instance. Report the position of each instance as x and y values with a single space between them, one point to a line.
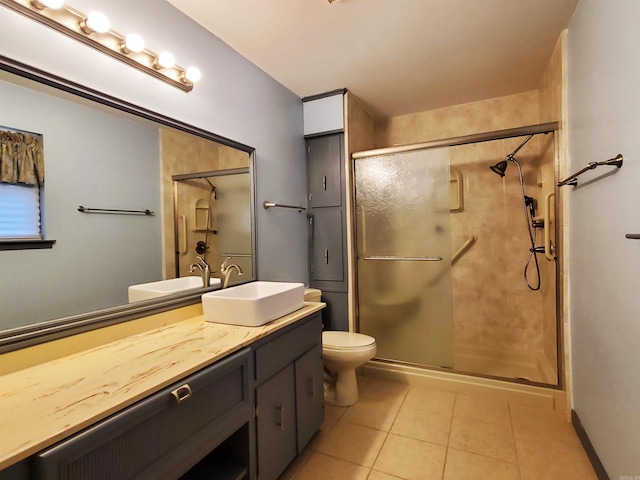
397 431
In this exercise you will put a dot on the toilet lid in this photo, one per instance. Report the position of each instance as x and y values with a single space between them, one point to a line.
345 340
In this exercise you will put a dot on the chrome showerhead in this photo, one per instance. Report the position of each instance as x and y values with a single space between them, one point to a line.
499 167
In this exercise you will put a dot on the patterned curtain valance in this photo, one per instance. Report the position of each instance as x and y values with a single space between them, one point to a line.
21 158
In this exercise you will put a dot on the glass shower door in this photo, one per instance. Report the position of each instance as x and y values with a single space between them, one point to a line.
404 255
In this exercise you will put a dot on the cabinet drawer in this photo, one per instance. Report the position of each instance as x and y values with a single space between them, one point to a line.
287 347
164 434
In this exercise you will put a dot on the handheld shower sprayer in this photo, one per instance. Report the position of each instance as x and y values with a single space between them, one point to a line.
529 211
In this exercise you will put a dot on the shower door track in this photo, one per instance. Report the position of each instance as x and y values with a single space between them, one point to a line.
463 140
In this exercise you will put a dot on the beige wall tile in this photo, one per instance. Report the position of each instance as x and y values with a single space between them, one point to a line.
493 211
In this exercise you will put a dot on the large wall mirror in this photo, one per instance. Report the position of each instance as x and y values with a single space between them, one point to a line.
100 153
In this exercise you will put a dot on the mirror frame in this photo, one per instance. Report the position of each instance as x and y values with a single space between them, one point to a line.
26 336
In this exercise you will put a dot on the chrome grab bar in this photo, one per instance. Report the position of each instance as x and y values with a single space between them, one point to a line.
113 210
266 205
417 259
572 179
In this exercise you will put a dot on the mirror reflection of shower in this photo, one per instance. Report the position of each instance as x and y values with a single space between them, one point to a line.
529 205
212 219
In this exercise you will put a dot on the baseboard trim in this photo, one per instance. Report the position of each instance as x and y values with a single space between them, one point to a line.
588 447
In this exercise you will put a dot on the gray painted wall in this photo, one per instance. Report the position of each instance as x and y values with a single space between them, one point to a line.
604 120
235 99
94 159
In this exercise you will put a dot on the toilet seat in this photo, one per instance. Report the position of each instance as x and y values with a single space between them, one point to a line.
338 340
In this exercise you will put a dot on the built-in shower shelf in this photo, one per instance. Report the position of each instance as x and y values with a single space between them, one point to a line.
455 190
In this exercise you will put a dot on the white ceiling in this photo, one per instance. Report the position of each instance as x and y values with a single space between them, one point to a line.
397 56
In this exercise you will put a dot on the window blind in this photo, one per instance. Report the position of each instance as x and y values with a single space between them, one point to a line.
19 212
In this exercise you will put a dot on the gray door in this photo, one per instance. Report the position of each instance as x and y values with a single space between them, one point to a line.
327 262
276 423
309 395
324 170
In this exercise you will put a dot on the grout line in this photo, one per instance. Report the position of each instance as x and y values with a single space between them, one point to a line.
513 433
389 432
446 453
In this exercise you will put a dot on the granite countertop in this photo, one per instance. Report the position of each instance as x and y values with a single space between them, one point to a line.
42 404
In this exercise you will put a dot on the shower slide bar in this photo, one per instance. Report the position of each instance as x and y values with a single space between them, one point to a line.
573 179
408 259
266 205
116 211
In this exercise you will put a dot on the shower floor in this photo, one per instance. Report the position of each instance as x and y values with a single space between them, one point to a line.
483 361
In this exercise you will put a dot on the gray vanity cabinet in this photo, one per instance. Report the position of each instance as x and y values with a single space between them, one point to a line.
244 417
164 435
289 394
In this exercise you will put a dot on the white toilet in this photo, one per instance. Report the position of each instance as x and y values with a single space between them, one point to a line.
342 353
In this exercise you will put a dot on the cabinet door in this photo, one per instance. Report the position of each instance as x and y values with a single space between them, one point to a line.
324 170
309 395
276 424
326 249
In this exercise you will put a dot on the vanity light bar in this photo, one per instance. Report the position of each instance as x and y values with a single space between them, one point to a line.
94 30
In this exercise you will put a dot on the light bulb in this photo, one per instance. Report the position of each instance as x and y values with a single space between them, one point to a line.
95 22
133 43
192 75
165 60
42 4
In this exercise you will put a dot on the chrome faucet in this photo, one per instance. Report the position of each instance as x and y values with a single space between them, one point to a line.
205 271
225 271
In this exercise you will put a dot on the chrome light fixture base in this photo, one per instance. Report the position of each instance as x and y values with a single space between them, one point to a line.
72 23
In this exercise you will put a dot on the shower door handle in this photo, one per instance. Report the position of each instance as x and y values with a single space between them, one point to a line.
416 259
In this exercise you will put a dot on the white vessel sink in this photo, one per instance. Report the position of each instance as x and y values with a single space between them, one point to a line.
145 291
252 304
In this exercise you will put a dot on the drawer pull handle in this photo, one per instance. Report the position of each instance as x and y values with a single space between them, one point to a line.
280 422
182 393
324 182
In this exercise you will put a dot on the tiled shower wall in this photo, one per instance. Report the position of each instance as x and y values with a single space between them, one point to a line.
493 308
183 153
